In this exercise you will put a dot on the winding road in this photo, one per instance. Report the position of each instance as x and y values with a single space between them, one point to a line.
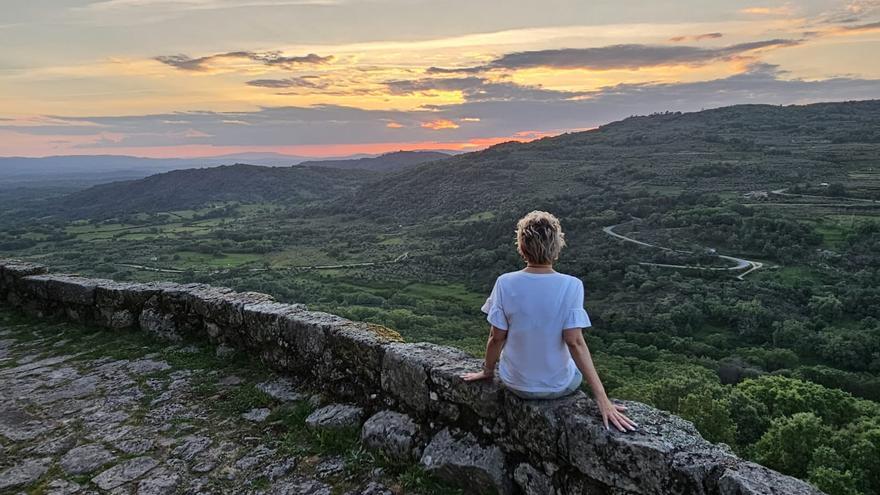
741 264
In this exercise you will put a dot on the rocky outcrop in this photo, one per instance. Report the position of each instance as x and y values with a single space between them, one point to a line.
457 457
394 435
478 431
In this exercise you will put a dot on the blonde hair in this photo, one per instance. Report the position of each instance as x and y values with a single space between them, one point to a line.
539 238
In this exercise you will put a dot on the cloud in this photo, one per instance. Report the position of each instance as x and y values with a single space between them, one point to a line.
270 58
310 82
478 89
860 28
766 11
439 125
696 37
46 121
407 87
630 56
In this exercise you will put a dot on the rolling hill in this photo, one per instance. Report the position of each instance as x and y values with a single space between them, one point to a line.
183 189
732 149
388 162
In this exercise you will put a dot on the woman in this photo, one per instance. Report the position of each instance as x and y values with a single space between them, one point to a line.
537 317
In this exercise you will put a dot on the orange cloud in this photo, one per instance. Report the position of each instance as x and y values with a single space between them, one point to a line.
440 124
784 10
394 125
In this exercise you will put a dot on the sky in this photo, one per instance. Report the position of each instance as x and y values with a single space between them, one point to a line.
191 78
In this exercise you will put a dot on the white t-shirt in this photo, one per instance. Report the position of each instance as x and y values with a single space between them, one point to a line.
535 308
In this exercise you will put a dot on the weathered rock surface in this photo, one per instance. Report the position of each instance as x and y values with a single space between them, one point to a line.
336 416
85 459
23 473
750 478
257 415
460 459
532 481
141 425
394 435
281 389
121 474
161 481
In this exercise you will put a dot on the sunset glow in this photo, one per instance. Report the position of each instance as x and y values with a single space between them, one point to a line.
176 78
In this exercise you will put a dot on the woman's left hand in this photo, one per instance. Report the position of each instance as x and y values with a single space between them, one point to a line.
613 413
480 375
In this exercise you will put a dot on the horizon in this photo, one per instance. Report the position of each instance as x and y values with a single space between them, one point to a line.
335 78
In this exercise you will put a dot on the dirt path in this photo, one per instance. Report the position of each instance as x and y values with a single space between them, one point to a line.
782 192
740 263
399 259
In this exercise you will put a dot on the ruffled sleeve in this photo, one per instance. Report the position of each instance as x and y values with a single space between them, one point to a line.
577 316
494 309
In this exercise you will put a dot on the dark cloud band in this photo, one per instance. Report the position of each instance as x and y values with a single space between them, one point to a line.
273 58
631 56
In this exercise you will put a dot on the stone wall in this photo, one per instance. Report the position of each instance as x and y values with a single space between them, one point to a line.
458 430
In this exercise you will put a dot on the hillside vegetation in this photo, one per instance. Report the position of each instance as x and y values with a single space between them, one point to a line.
740 148
782 363
190 188
388 162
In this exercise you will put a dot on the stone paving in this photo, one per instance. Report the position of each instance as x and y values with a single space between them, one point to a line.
95 411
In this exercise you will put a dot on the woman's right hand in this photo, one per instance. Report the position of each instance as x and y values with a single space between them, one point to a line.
480 375
613 413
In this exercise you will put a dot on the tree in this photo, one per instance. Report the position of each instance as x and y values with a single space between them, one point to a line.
710 412
789 443
828 308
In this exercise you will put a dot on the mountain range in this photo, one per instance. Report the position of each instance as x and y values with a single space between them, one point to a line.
104 168
739 148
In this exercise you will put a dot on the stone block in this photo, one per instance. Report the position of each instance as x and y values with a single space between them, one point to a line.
748 478
534 427
336 417
71 289
304 335
34 287
124 295
158 322
483 398
262 322
356 353
394 435
641 461
459 459
406 368
11 272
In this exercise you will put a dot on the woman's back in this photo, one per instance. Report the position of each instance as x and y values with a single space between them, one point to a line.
537 315
535 308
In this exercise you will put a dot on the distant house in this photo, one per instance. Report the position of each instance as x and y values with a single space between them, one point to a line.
757 195
824 184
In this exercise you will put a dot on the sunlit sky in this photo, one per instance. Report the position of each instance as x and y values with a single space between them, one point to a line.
188 78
